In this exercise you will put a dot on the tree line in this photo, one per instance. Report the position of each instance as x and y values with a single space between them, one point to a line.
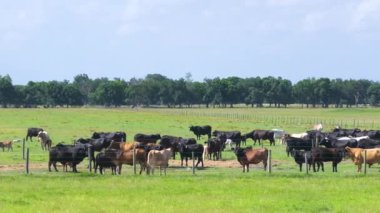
156 89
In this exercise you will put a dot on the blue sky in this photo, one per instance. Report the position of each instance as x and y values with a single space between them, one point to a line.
43 40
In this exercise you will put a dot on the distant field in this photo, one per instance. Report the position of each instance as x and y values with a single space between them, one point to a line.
211 189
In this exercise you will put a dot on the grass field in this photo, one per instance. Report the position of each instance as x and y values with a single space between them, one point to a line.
209 190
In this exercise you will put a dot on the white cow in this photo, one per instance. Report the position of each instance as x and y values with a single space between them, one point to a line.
158 158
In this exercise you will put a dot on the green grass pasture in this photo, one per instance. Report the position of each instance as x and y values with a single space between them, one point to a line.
209 190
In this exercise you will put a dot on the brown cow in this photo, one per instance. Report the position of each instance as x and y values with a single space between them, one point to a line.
252 156
357 156
158 158
6 144
124 146
120 157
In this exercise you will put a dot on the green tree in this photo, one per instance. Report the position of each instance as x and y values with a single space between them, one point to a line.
7 90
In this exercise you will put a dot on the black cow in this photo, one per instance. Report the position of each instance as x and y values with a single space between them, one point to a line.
215 147
186 151
168 141
322 154
67 155
299 158
339 132
94 145
112 136
103 160
368 143
143 138
297 144
329 142
201 130
234 136
260 135
32 132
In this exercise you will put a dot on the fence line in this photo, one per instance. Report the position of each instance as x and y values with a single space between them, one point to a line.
278 120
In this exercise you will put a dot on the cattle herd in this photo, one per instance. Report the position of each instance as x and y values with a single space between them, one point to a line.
150 151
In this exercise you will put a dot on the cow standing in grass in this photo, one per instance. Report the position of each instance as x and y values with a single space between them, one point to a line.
158 158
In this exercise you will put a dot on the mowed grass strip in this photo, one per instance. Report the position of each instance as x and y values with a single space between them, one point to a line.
218 192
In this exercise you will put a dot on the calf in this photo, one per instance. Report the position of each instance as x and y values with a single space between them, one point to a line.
321 154
103 160
158 158
6 144
251 156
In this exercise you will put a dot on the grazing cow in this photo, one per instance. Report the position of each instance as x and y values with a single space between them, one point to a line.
297 144
235 136
279 134
251 156
201 130
111 136
158 158
143 138
32 132
186 150
45 140
260 135
66 155
357 156
6 144
103 160
168 141
322 154
214 148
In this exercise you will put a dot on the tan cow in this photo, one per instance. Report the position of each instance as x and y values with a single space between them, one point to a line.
252 156
158 158
124 146
6 144
357 156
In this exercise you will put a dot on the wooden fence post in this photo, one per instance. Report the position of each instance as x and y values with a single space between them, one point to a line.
23 149
306 163
89 158
269 161
27 161
192 156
